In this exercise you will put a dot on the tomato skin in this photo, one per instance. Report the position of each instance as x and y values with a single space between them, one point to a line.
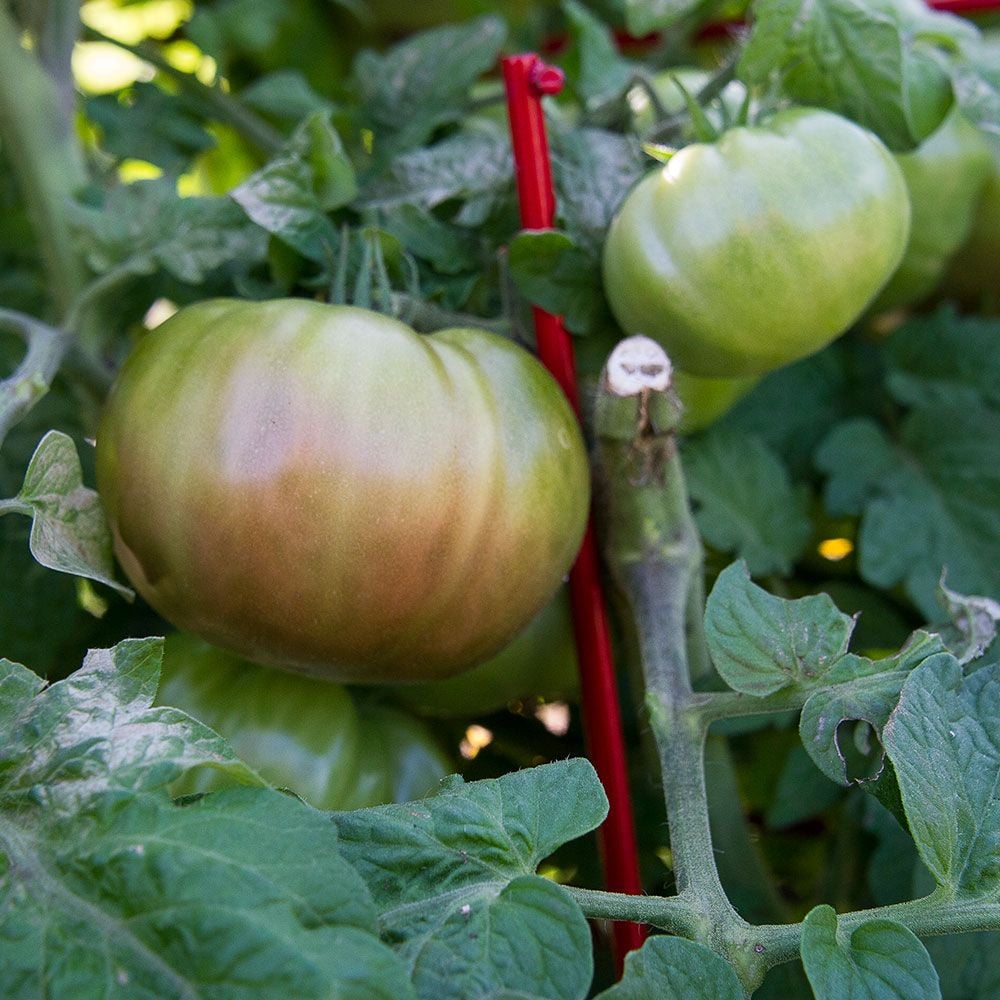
298 732
541 661
320 488
945 177
743 255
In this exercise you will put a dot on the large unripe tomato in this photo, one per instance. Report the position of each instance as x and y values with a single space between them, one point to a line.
298 732
974 274
945 176
745 254
320 488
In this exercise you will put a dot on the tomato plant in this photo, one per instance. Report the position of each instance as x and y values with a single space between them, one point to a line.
745 254
337 494
298 732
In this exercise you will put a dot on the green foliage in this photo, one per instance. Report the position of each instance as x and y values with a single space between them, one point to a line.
331 150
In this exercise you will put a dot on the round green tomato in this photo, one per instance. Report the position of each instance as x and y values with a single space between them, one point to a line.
297 732
320 488
748 253
541 662
705 400
945 177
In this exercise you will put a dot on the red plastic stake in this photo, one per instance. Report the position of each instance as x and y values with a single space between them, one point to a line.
527 79
964 6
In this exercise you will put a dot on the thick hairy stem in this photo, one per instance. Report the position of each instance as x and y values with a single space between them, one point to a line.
37 139
654 551
46 349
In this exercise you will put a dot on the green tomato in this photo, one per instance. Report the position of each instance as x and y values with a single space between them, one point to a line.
541 661
745 254
705 400
945 177
297 732
320 488
974 273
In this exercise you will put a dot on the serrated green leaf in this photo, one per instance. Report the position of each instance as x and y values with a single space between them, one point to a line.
453 880
880 960
465 166
107 888
928 503
745 503
793 409
944 741
291 195
879 63
670 968
146 226
976 81
451 250
861 690
151 125
284 94
760 643
594 68
69 531
95 731
592 170
423 82
945 359
551 271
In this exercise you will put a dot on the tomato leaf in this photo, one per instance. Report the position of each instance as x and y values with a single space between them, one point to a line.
882 63
284 94
761 643
146 226
594 68
69 531
944 741
947 359
593 170
551 271
803 791
151 125
423 82
290 196
466 166
927 501
670 968
745 503
107 881
453 879
879 959
865 691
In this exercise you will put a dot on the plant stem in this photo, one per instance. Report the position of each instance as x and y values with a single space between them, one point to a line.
37 138
655 554
670 913
932 915
32 378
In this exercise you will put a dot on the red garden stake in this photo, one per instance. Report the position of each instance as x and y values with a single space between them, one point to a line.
527 79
